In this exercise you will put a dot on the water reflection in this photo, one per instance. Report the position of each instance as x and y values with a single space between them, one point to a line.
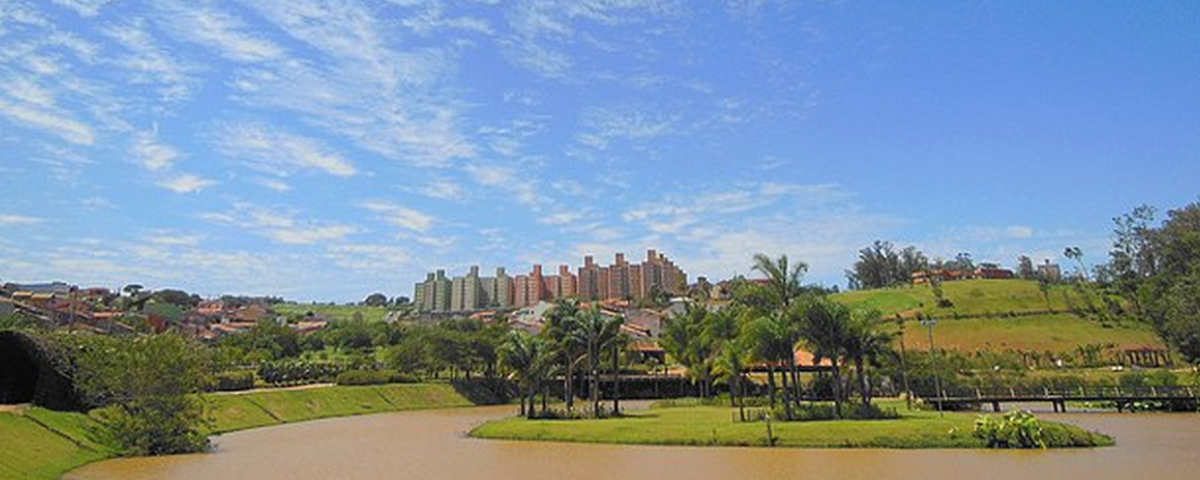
431 445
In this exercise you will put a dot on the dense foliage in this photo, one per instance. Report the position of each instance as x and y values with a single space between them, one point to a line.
1016 429
147 386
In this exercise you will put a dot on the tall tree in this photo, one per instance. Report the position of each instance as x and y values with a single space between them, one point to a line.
529 359
596 331
783 284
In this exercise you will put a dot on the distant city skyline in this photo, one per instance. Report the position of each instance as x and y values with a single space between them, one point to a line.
321 150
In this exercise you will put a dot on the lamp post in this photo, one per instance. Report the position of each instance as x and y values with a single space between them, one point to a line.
904 364
937 378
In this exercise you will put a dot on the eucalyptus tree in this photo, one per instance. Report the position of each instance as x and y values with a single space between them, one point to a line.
529 359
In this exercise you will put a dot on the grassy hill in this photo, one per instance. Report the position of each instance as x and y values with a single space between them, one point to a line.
1000 315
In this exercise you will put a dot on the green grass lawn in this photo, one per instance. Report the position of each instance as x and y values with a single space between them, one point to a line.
42 444
1059 332
31 450
714 426
989 303
970 297
333 312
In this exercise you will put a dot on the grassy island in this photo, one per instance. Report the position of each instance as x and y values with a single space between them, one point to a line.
714 426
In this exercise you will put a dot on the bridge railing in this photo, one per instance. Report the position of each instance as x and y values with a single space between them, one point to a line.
1115 391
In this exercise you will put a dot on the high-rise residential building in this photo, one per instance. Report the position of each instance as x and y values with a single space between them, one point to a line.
621 279
433 295
463 294
628 280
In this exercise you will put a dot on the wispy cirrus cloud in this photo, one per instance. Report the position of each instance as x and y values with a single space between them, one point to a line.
604 125
280 152
280 225
401 216
14 220
225 33
186 183
152 154
357 85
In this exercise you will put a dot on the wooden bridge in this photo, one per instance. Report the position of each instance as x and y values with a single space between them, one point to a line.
1122 397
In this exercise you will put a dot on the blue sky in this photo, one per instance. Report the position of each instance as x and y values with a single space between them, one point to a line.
326 149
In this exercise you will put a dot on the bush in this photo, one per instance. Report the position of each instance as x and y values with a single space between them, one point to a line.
298 372
234 381
825 411
372 377
1016 429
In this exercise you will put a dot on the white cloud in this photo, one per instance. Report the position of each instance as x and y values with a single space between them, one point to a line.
356 85
443 189
1019 231
563 217
281 226
170 239
401 216
276 185
369 257
522 186
279 152
227 34
52 120
152 154
86 8
147 62
607 124
12 220
187 183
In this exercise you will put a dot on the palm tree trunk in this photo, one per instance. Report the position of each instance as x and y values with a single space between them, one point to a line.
771 383
864 383
741 395
795 378
837 388
569 384
616 380
788 406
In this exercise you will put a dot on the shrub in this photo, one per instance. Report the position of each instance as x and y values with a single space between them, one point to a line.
297 372
372 377
234 381
1016 429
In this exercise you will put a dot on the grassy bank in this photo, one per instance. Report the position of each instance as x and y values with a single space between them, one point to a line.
714 426
40 444
998 315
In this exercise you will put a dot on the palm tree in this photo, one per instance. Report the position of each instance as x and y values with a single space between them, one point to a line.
865 342
684 338
529 360
783 289
773 340
596 331
732 366
562 322
824 329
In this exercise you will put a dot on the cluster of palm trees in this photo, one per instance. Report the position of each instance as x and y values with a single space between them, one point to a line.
574 341
764 325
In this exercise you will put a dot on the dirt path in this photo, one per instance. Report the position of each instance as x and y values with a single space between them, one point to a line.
280 389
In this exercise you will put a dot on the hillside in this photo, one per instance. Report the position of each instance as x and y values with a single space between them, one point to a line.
1000 315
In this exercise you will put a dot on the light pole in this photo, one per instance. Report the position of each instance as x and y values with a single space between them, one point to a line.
937 378
904 364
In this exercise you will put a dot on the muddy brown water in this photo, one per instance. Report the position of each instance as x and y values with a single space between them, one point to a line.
433 445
